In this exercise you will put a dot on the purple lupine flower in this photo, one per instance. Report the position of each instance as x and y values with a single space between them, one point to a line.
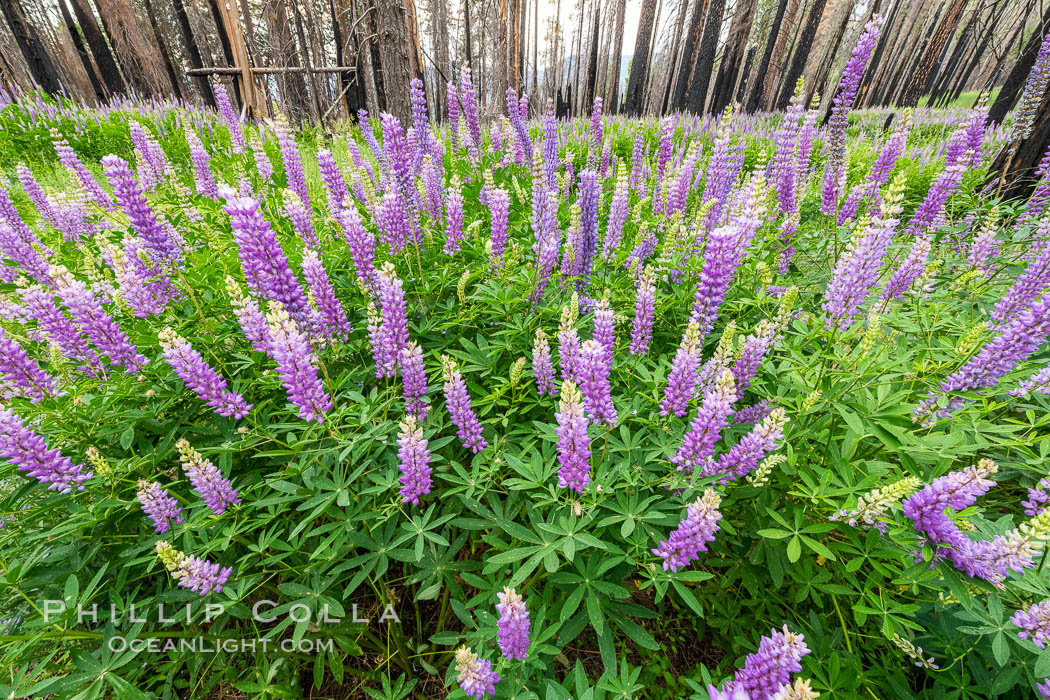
21 372
414 380
512 628
752 351
849 84
453 108
1032 95
294 174
35 192
249 316
548 240
754 413
333 180
955 490
29 453
263 165
420 121
1038 498
785 145
1034 623
394 331
984 249
159 506
1043 689
720 262
361 242
392 218
194 573
1030 283
41 306
604 326
470 111
74 165
229 116
542 365
302 221
765 671
909 270
550 145
434 198
453 217
498 201
24 254
413 461
457 400
698 444
618 210
697 528
858 268
265 266
568 344
1037 203
200 378
743 457
681 380
666 148
644 310
143 220
1017 341
475 676
335 324
203 177
593 371
100 328
590 192
1038 382
143 295
214 489
993 560
398 154
940 191
637 155
596 123
574 447
296 364
71 217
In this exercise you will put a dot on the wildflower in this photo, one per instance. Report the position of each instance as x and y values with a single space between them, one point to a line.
955 490
574 447
1034 623
361 242
498 201
206 478
1030 284
302 220
457 400
682 378
475 676
593 371
394 330
743 457
513 625
684 545
19 370
196 574
542 366
799 690
618 210
414 380
590 191
1038 498
296 364
569 343
516 370
293 163
870 510
334 322
644 308
712 416
914 652
993 560
752 351
760 477
199 376
249 316
769 668
229 116
333 179
413 461
143 220
604 326
161 508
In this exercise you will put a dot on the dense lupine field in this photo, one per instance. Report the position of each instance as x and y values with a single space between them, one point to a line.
734 407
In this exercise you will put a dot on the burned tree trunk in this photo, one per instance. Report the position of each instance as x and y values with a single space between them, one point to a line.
617 57
32 49
798 62
1019 73
692 38
639 64
194 51
705 62
394 52
82 52
729 68
107 64
755 96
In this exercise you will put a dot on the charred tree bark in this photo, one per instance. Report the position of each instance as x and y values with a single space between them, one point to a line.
729 68
82 52
394 50
755 96
617 58
706 57
1016 164
283 52
692 38
1015 80
798 62
592 68
107 64
933 55
675 61
162 49
639 64
194 52
32 49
